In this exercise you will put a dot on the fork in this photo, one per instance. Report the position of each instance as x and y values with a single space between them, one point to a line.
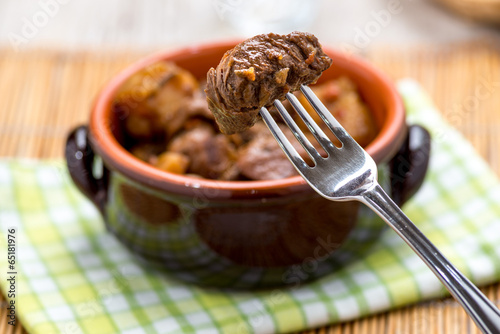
349 173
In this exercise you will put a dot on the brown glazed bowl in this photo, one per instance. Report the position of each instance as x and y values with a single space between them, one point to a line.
240 234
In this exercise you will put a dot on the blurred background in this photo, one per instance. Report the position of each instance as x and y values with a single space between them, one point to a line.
156 24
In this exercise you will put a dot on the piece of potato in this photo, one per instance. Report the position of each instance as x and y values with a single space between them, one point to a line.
172 162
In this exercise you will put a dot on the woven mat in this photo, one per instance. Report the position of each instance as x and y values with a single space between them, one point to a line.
44 94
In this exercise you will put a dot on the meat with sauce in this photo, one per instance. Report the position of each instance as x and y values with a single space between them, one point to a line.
258 71
158 100
210 154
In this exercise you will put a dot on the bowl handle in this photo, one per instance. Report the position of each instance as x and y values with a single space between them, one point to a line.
409 165
80 161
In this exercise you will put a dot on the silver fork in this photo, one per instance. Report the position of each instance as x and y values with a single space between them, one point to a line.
349 173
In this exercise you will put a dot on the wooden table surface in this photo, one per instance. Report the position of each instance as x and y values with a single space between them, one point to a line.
46 93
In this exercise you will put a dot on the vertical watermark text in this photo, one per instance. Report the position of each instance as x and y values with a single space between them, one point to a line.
11 276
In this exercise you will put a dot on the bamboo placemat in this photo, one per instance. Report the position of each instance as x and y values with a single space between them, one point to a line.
43 94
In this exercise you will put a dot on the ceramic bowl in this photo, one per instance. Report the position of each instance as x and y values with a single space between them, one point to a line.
240 234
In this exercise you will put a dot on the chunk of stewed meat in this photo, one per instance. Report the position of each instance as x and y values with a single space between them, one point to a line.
258 71
263 159
158 100
211 155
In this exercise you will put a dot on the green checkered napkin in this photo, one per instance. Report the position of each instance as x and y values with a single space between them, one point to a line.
74 277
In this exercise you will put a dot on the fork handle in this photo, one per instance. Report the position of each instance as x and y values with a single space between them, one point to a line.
484 313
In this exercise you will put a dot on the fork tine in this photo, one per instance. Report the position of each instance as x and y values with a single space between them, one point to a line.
325 115
297 132
320 136
280 137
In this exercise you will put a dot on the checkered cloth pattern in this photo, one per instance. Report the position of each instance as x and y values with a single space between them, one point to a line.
74 277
